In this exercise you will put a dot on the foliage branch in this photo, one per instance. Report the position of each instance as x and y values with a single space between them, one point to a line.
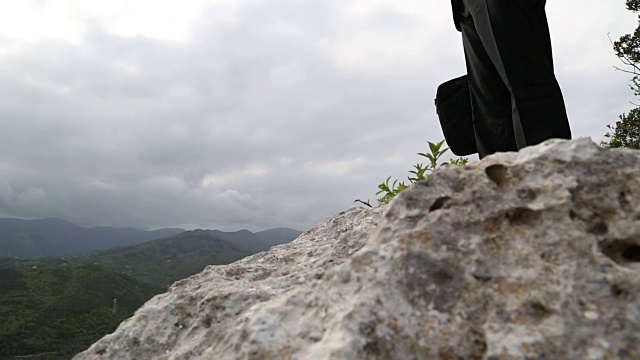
419 172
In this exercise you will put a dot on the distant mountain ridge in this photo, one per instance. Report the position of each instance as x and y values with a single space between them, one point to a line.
52 237
278 236
163 261
256 242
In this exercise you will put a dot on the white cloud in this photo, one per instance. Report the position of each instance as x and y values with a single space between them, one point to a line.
234 178
68 19
340 168
32 21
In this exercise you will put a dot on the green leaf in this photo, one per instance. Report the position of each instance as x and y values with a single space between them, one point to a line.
420 172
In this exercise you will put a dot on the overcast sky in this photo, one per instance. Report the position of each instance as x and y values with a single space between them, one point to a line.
233 114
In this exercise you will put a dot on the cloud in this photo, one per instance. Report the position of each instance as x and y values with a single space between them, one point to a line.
31 200
6 193
244 114
333 169
32 197
224 180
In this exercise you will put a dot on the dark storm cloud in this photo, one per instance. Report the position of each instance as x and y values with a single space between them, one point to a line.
274 114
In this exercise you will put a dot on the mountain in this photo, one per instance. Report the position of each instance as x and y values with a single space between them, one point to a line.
257 242
161 262
278 236
32 239
55 309
39 238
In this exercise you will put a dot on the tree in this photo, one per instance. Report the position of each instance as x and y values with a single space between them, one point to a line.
626 132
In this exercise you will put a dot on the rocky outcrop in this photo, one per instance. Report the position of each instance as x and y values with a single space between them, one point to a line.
529 255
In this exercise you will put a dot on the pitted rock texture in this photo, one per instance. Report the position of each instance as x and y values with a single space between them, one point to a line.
529 255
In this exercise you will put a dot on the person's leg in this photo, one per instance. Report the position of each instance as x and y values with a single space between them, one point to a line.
515 36
490 97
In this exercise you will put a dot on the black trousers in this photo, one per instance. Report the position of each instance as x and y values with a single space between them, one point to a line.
515 97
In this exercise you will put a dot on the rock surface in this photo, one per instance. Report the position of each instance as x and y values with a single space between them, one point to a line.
529 255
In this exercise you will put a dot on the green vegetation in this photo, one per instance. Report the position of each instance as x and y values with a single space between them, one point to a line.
626 132
162 262
420 172
57 309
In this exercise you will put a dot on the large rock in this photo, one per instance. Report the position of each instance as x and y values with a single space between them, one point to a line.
529 255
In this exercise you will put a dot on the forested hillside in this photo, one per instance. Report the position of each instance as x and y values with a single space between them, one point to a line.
56 309
161 262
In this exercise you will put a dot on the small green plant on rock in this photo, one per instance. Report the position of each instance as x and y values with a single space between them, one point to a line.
420 172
